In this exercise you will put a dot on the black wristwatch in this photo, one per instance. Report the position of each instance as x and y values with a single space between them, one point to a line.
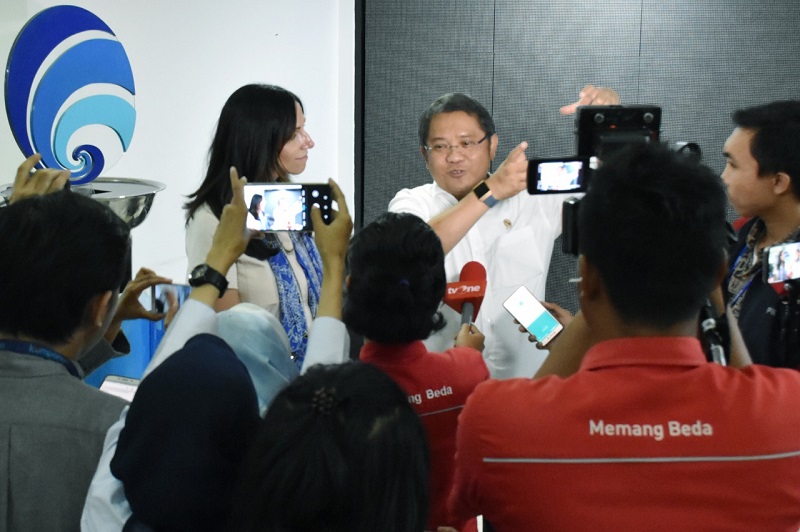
205 274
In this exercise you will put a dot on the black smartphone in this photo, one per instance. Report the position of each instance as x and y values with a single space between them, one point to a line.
558 175
286 206
782 262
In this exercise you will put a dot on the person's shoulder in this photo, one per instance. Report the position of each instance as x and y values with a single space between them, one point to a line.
413 200
493 393
782 381
467 361
464 356
62 401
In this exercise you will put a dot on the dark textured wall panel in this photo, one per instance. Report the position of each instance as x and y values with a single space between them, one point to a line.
416 51
523 59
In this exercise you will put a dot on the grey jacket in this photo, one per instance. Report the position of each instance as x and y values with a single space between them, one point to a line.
52 427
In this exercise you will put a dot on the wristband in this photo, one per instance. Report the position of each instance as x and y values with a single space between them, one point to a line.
484 193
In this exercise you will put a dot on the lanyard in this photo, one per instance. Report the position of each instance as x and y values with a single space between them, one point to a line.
747 284
35 350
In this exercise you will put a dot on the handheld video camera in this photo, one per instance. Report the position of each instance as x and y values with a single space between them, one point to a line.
600 130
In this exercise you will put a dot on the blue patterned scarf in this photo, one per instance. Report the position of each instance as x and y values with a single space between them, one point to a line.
293 316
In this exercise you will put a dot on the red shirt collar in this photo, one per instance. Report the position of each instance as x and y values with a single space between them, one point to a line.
400 353
646 351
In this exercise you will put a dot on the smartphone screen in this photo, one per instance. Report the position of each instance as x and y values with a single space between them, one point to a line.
782 262
286 206
558 176
164 296
124 387
532 315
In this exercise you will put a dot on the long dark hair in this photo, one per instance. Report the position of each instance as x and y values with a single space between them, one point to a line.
255 203
255 123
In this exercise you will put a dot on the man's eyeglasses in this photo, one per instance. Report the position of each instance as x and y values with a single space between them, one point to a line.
441 148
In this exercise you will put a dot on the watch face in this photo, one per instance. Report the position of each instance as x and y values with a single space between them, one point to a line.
197 275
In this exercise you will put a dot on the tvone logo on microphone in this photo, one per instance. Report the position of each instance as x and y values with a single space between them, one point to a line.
463 289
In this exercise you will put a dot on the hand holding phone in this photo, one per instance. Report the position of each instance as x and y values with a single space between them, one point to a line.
168 299
532 315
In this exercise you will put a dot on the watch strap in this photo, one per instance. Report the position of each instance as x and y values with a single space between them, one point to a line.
205 274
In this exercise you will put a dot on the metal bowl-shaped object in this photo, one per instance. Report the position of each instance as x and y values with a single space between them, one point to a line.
130 199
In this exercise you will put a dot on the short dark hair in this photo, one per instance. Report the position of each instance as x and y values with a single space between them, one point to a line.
339 449
776 140
450 103
59 251
255 123
653 224
397 280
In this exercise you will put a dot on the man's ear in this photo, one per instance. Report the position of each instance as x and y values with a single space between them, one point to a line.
493 140
424 153
347 282
783 183
590 284
99 307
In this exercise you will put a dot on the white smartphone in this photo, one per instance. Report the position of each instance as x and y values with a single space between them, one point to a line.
532 315
124 387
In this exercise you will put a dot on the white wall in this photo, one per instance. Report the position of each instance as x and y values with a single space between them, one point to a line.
187 58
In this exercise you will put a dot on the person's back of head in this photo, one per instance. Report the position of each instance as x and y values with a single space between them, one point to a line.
776 140
451 103
59 251
653 225
396 280
189 426
340 449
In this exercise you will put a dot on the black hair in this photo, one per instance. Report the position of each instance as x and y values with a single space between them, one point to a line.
776 140
254 125
59 251
255 202
653 224
339 449
397 280
188 429
450 103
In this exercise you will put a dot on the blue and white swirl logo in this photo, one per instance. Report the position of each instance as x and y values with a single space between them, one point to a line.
70 92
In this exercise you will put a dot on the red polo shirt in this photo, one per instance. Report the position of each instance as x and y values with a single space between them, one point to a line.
645 435
437 385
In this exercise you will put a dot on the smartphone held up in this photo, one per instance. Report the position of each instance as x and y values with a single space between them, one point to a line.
286 206
532 315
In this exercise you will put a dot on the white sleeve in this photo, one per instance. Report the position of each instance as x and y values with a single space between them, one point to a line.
328 343
407 200
192 319
106 507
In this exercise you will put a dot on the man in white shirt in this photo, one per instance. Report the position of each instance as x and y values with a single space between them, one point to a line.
487 218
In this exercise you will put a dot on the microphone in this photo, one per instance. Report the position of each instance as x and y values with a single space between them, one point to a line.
466 295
